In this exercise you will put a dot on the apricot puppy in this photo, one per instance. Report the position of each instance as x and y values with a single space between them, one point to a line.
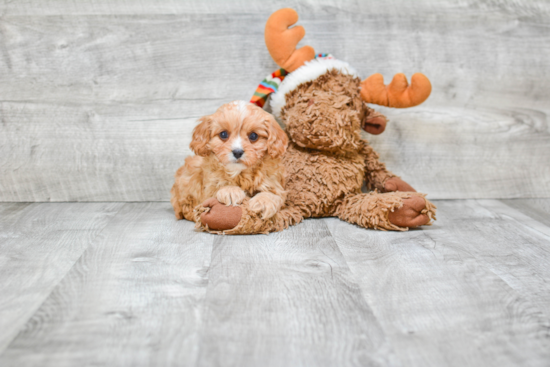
238 155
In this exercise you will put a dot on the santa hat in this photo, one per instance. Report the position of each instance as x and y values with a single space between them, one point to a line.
281 82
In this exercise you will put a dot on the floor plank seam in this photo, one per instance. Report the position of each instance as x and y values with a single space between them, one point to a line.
518 217
202 307
46 297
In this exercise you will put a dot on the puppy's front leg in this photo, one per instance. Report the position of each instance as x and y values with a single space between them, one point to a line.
230 195
266 203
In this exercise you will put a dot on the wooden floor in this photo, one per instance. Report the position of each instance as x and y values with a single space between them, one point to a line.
125 284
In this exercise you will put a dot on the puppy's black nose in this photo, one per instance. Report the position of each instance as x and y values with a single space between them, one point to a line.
238 153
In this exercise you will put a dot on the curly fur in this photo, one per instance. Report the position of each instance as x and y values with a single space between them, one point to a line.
216 172
327 161
309 72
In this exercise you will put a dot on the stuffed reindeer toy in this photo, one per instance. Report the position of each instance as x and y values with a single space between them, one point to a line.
323 104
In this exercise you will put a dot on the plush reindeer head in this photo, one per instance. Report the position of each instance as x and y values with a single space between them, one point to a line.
325 113
323 101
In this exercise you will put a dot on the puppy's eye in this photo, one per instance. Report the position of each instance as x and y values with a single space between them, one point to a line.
253 136
224 135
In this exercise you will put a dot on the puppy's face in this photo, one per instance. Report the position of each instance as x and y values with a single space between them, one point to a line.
239 134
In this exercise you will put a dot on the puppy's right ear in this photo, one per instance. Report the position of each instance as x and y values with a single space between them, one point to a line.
201 137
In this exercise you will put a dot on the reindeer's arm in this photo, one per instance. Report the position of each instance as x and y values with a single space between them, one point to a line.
376 173
377 176
373 122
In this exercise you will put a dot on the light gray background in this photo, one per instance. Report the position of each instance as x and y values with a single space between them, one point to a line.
99 98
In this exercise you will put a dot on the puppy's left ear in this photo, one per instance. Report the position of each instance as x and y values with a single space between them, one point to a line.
277 140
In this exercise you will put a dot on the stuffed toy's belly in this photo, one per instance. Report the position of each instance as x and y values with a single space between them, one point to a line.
317 181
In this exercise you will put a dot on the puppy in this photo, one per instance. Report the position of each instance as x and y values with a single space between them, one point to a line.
238 154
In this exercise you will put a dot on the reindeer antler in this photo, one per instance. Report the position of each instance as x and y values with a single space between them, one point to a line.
281 41
398 93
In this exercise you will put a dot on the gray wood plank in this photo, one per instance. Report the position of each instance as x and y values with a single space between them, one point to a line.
39 244
122 7
470 290
130 152
102 7
525 244
538 209
287 299
127 284
94 153
132 299
461 153
75 78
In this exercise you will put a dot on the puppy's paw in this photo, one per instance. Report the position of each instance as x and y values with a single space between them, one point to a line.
230 195
266 203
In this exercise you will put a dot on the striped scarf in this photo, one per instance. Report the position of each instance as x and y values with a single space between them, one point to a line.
271 83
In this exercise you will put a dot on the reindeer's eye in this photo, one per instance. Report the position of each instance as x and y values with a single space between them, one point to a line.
253 136
224 135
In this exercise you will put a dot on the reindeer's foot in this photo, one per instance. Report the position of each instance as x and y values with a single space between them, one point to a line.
412 214
216 216
396 211
397 184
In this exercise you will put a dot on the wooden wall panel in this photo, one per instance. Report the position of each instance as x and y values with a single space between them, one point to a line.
98 98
